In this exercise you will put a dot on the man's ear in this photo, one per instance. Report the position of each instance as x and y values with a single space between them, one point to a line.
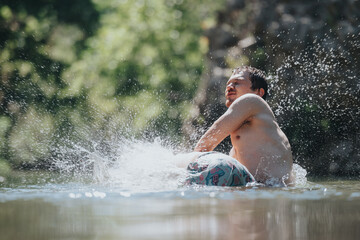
261 92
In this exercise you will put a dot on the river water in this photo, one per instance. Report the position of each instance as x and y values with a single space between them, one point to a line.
138 196
72 210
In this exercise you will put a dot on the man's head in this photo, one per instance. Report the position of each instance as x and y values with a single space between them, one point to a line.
244 80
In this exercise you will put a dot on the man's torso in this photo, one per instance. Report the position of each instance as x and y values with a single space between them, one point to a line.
262 147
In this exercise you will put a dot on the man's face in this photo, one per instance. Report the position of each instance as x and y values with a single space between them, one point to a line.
238 84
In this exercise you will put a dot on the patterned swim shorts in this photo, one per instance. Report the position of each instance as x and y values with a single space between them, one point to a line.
217 169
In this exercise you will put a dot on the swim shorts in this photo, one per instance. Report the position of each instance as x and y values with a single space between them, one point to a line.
217 169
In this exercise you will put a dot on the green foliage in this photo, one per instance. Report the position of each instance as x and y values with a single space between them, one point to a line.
4 170
145 59
5 124
38 40
67 66
31 142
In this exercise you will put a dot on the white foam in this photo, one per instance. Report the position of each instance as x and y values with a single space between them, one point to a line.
299 175
141 166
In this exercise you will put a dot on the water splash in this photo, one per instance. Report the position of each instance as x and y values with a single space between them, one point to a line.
315 97
133 165
300 173
146 166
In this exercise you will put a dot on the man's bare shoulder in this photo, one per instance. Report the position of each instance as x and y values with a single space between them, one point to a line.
250 100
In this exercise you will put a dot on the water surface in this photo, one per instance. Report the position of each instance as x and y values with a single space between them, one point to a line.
44 207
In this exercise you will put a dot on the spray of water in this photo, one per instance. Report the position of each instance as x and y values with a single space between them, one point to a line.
315 97
131 164
127 163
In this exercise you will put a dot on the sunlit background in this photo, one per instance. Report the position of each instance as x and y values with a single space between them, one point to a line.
92 89
78 70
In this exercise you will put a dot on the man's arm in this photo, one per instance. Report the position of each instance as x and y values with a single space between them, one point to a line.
241 109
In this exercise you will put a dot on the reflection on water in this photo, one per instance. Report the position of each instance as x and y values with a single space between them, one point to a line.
322 210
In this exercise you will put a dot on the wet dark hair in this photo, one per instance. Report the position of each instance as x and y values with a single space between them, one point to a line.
257 78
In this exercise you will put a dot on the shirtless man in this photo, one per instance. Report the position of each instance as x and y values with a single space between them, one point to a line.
258 142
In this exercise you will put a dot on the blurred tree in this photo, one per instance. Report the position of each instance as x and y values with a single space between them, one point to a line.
73 67
38 39
142 67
